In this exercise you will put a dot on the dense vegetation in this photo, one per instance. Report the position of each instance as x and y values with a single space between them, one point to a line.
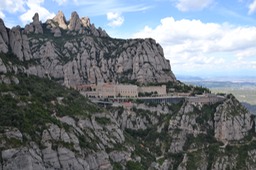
34 102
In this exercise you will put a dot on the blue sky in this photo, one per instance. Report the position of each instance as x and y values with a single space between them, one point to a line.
200 37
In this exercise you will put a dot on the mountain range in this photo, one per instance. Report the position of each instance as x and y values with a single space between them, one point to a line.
46 124
75 52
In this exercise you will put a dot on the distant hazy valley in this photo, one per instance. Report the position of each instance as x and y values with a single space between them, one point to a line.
244 89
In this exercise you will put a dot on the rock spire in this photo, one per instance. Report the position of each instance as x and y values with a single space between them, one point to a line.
74 22
61 20
37 25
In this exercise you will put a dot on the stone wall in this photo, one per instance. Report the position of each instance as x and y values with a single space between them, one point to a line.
127 90
106 90
205 99
161 90
119 90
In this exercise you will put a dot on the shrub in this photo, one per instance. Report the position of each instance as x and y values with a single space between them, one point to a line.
103 120
130 165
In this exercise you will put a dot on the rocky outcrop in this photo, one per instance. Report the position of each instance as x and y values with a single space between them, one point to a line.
57 32
16 42
82 54
4 40
85 21
3 69
3 46
74 22
37 25
61 20
3 32
194 130
60 148
232 121
47 138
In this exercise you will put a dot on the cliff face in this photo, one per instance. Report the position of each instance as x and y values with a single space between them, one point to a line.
46 126
194 136
75 52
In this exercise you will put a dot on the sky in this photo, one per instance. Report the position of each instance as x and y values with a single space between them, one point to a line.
205 38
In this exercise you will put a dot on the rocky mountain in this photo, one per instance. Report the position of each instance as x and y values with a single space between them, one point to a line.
44 124
75 52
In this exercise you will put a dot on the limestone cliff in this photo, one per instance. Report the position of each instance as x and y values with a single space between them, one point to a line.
193 136
75 52
46 126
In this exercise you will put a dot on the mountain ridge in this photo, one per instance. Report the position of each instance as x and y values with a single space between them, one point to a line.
75 52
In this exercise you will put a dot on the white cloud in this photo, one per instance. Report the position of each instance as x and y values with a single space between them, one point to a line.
11 6
116 19
102 7
2 15
241 54
61 2
27 8
35 6
189 5
252 7
192 45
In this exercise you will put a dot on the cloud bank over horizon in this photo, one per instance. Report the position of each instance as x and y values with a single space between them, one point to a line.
193 45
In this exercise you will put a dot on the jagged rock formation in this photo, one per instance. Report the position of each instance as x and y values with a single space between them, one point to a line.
61 147
3 37
35 26
232 121
85 21
194 136
75 52
74 23
61 20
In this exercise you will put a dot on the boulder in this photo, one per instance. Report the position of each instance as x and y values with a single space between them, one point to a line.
3 69
56 32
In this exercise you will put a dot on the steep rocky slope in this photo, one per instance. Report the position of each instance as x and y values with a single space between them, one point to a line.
46 126
75 52
193 136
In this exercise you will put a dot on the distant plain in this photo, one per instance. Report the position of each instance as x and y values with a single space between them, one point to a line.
245 92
